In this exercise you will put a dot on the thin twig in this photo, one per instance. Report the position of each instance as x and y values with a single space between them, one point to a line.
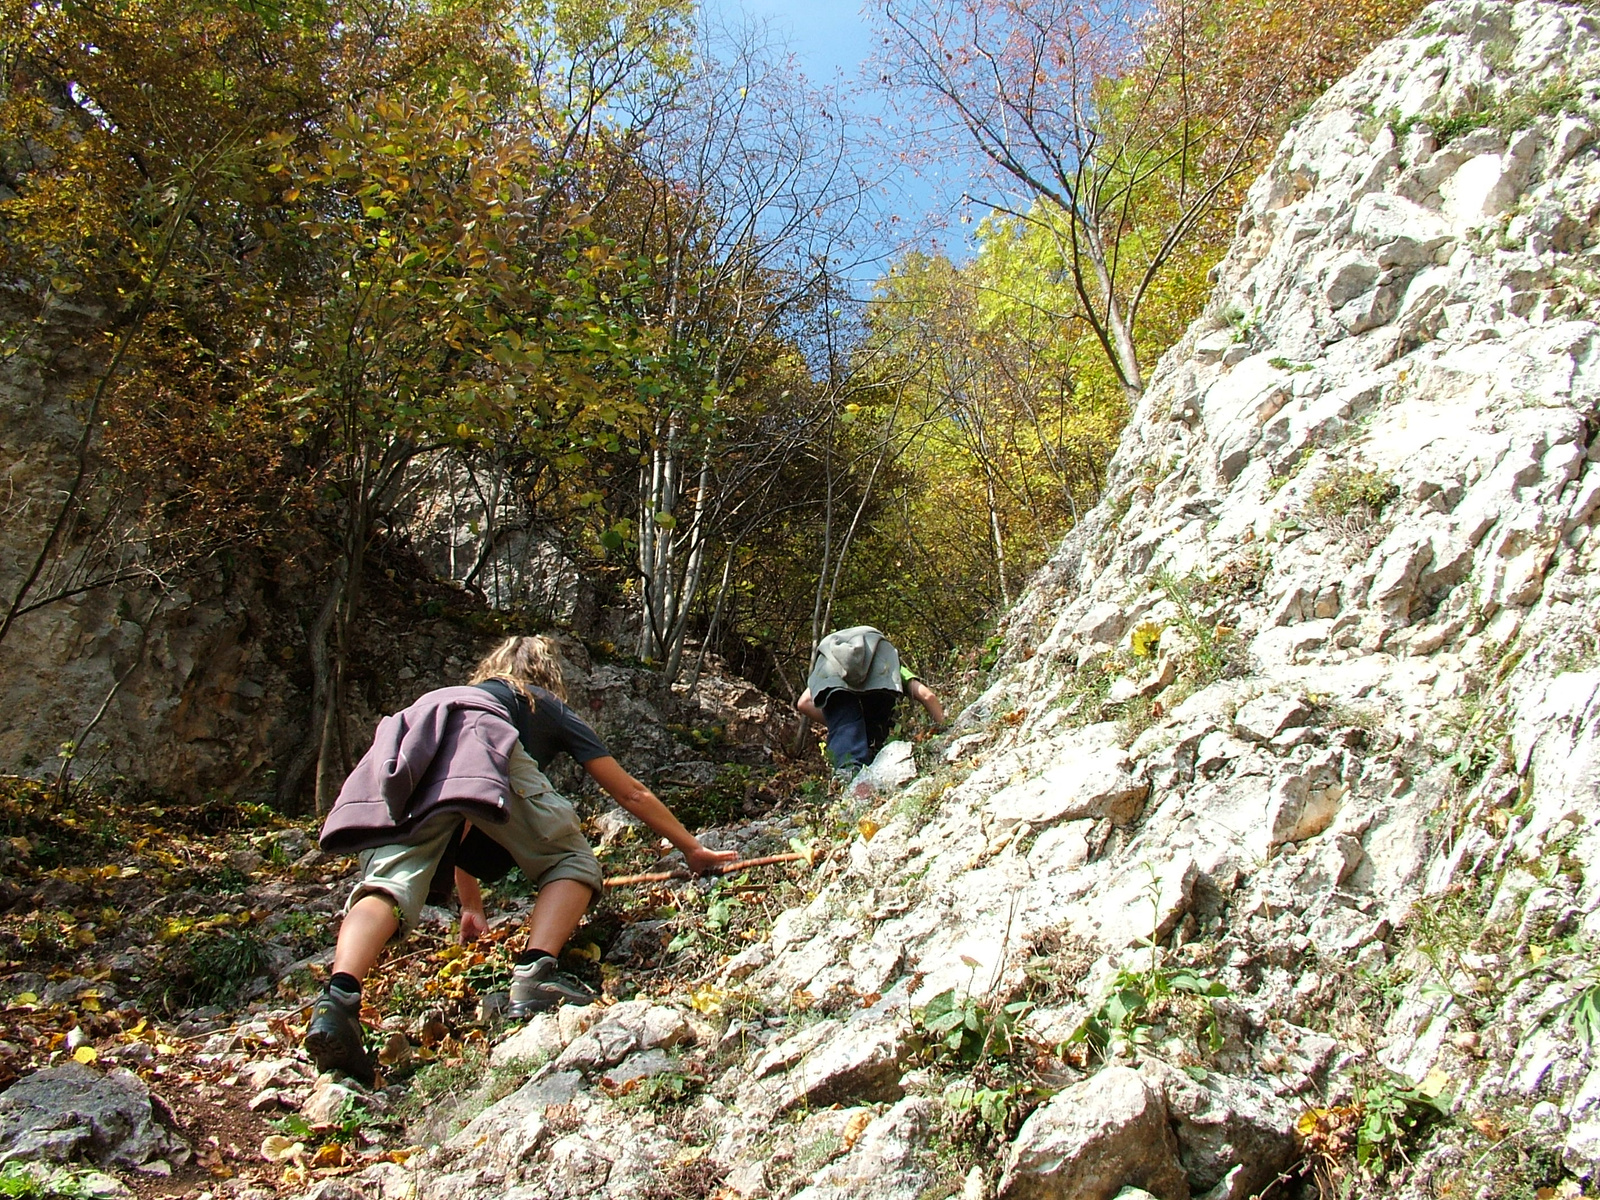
685 873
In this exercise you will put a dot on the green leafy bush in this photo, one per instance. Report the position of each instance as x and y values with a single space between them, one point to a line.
213 968
965 1029
1347 491
1392 1112
1125 1013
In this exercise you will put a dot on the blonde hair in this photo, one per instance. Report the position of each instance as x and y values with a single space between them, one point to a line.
523 662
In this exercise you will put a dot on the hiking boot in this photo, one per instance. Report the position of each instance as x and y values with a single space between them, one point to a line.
538 986
334 1038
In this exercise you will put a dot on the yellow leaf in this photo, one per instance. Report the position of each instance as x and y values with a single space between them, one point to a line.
687 1155
854 1128
85 1055
26 998
1535 953
1433 1083
331 1155
277 1148
868 828
1307 1124
707 1000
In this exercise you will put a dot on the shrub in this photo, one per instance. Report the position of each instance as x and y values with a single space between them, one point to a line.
1351 491
214 967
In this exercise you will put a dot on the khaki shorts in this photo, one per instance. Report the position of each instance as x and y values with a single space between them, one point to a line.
541 833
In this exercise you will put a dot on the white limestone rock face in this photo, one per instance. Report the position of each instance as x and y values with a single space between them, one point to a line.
1376 477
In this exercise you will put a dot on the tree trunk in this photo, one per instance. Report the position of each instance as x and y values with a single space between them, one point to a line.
305 758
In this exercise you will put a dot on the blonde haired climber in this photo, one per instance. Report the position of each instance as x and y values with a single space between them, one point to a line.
459 776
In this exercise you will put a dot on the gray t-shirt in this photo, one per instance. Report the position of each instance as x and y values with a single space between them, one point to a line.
547 726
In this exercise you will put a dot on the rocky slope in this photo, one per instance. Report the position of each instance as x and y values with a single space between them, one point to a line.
1270 853
1293 753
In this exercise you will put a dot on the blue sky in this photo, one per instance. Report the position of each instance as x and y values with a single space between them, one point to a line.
832 41
827 36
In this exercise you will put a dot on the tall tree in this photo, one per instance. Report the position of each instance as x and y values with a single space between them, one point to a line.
1103 121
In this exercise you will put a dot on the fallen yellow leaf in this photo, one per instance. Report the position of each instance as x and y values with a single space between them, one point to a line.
331 1155
85 1055
1433 1083
854 1128
868 828
277 1148
1307 1124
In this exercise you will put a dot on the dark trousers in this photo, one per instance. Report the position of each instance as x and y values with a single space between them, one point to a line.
858 725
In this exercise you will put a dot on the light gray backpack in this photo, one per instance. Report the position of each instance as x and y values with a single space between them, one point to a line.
859 659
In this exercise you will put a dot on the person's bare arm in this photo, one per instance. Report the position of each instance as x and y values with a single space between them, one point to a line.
644 804
473 923
808 707
925 696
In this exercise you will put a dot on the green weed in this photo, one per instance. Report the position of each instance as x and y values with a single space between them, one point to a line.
1520 110
995 1106
1210 655
965 1029
32 1181
1392 1113
345 1128
658 1092
1347 491
1135 998
214 967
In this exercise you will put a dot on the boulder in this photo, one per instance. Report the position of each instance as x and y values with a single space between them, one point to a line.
515 1128
625 1029
1229 1128
539 1040
71 1112
1096 783
860 1063
882 1163
1265 717
894 767
327 1101
1092 1140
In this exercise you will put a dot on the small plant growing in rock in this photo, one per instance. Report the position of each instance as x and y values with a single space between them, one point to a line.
1517 111
994 1106
1137 998
659 1092
33 1181
1393 1112
1211 658
1347 491
966 1029
1145 640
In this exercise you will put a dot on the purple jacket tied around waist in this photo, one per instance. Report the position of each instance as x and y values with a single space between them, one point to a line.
449 752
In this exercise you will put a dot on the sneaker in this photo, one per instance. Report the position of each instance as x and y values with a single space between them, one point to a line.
334 1038
538 986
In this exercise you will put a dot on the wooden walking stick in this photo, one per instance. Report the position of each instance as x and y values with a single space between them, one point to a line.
684 873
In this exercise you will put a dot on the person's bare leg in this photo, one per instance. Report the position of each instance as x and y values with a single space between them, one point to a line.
366 930
556 913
